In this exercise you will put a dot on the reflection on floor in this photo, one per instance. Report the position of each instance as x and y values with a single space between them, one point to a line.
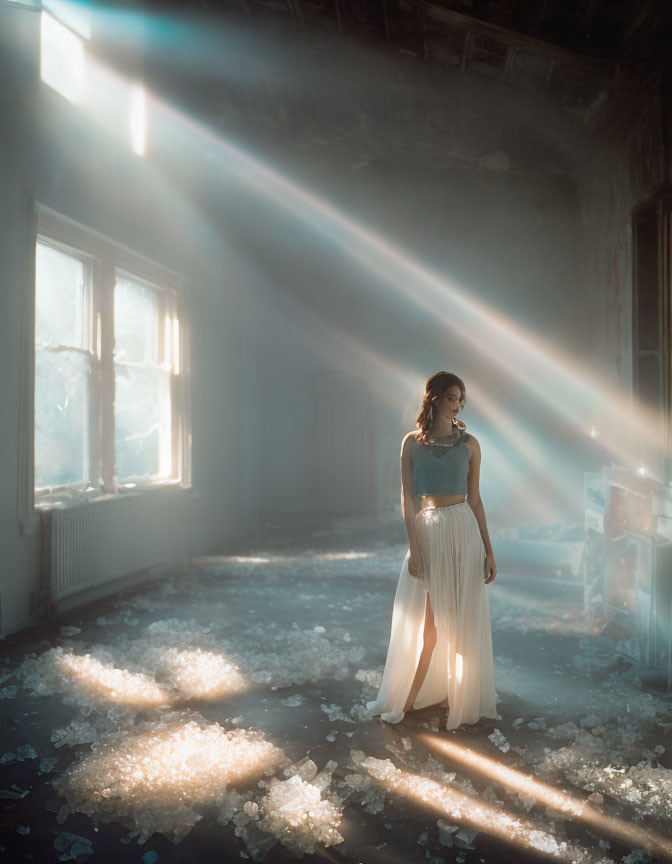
221 713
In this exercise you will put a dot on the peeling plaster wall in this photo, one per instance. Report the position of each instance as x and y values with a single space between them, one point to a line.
628 163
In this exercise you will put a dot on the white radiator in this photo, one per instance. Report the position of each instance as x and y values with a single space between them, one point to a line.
103 540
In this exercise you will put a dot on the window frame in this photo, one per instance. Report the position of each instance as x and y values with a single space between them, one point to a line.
104 257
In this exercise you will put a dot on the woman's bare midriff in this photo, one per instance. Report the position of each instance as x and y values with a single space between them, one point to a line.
430 501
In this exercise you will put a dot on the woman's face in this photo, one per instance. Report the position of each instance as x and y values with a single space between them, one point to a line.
449 402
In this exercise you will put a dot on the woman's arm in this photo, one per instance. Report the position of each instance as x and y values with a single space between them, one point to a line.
408 503
474 501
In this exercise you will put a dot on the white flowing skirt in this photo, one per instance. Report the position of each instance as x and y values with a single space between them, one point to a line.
460 675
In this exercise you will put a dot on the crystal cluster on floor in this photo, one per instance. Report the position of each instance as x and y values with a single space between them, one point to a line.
155 776
293 811
298 656
599 759
179 659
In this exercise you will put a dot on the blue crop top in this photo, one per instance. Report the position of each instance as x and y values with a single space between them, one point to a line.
440 469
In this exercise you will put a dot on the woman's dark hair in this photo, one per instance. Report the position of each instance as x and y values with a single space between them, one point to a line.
435 387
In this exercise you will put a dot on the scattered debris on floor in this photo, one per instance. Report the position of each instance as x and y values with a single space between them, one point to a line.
170 715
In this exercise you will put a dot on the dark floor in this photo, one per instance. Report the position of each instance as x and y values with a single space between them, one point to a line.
219 716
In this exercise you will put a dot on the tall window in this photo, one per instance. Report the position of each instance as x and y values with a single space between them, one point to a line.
109 409
652 379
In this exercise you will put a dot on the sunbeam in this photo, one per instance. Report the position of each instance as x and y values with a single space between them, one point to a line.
563 802
451 803
568 390
110 97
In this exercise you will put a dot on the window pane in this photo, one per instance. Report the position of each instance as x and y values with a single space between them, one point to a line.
59 298
62 59
136 321
61 418
76 14
142 423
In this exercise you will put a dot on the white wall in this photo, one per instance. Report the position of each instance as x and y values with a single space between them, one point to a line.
50 151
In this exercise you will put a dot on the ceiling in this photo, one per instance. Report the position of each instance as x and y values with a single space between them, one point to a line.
608 30
503 84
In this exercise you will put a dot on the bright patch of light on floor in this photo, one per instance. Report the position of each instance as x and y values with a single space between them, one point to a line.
110 684
344 556
244 559
469 810
559 800
283 559
151 779
200 674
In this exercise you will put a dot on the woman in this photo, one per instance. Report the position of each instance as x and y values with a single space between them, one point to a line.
440 649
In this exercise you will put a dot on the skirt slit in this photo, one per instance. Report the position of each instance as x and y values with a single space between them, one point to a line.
460 675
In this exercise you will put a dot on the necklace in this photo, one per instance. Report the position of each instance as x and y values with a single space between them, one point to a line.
447 440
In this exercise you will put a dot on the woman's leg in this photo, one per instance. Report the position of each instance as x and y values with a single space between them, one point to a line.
429 641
